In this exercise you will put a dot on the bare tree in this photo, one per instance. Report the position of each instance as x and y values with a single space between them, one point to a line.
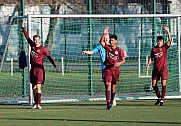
97 7
54 9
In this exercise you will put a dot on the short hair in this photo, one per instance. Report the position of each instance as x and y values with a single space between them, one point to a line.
160 38
35 36
113 36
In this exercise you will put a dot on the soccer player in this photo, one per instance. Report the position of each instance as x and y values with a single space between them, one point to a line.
99 49
159 56
115 56
37 73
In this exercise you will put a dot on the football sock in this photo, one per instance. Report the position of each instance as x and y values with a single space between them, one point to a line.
157 91
108 97
35 98
112 96
163 92
39 98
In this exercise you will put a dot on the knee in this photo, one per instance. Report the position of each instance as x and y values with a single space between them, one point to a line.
153 86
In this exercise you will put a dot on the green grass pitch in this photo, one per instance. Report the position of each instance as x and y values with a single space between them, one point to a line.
126 113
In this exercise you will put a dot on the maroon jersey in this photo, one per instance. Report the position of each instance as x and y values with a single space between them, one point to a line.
160 56
37 53
113 55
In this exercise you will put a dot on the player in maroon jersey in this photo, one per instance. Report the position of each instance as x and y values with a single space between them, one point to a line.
37 73
115 56
159 57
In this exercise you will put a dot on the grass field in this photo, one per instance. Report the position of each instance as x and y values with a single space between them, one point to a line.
126 113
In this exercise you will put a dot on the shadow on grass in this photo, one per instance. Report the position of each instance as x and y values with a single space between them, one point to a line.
134 103
86 120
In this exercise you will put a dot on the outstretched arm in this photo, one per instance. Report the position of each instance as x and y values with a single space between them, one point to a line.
169 35
53 63
88 52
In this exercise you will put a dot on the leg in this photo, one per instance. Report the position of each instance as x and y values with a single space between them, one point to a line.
163 92
114 81
39 95
163 88
114 101
113 92
164 77
34 93
35 96
108 90
155 87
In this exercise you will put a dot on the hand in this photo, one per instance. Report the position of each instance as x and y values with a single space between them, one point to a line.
57 70
117 64
83 52
166 27
106 30
23 22
147 68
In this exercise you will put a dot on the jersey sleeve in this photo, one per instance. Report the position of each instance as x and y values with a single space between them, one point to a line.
27 37
152 53
96 49
122 54
47 54
45 51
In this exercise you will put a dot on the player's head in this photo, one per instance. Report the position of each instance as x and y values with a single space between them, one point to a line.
107 39
36 39
113 40
160 41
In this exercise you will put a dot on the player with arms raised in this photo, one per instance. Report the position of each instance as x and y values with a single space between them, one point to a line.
115 56
102 53
159 56
37 73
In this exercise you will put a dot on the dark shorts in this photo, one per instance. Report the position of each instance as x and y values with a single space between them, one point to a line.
112 75
37 75
160 73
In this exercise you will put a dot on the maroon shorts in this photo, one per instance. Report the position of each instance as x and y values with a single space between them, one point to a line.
160 73
112 75
37 75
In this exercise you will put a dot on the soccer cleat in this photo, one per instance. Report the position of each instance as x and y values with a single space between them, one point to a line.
109 107
34 106
158 101
161 103
39 107
114 103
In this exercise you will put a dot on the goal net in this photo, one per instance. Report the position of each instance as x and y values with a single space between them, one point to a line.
66 36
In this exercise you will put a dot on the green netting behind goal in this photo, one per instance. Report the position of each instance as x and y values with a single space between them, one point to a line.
80 76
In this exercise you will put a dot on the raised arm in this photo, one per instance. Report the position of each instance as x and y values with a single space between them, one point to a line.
106 33
26 35
169 35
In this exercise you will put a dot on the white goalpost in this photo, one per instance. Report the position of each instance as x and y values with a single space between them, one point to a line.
82 74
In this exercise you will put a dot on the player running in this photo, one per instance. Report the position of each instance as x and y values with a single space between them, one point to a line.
37 73
115 56
159 56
